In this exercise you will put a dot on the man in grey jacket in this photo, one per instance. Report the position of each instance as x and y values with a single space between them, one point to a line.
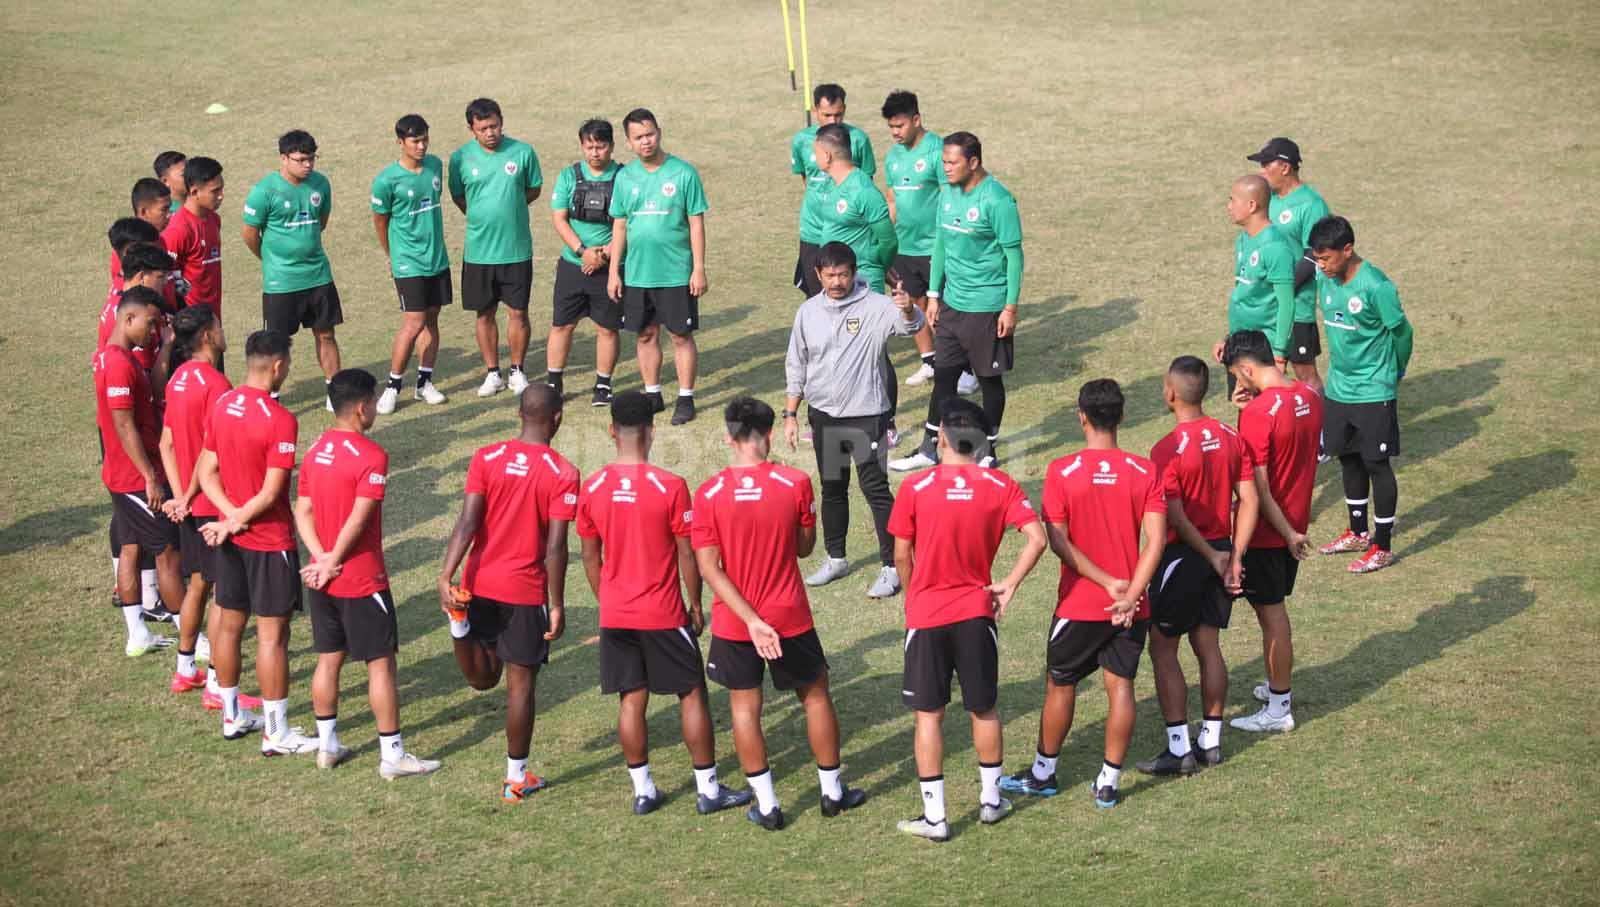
836 364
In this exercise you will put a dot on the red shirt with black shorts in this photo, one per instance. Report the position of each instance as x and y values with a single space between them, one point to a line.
525 488
120 383
1101 497
195 244
754 514
251 433
340 467
638 511
191 395
1280 429
1201 463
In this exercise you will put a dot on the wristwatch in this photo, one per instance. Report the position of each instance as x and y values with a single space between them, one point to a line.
791 414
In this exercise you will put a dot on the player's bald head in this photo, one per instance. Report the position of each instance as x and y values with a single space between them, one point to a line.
541 403
1253 187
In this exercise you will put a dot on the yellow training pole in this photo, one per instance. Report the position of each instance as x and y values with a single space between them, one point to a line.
805 63
788 42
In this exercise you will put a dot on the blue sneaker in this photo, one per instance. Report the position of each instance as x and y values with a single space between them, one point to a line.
1104 797
726 798
852 797
770 821
1024 782
643 806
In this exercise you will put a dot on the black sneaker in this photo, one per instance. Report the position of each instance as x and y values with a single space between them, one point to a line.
160 614
726 798
643 806
853 797
1024 782
656 403
683 411
1212 756
1104 797
602 395
770 821
558 384
1164 763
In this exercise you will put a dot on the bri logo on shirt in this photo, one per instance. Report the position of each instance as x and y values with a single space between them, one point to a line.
286 447
119 392
377 478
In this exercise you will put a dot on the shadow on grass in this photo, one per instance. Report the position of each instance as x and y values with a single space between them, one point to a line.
55 527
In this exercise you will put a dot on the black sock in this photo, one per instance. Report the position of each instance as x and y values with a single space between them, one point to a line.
495 371
395 381
927 359
552 377
1385 499
516 367
1354 473
602 380
424 376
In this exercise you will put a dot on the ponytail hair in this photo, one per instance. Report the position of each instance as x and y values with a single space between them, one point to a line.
187 326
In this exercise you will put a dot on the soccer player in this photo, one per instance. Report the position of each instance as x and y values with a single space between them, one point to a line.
493 180
752 522
143 265
580 207
123 232
194 235
170 168
835 363
339 514
827 106
1295 208
1369 347
284 217
1204 470
510 605
244 469
409 221
1263 275
635 521
849 208
152 202
1279 425
125 412
1096 504
948 522
913 172
658 239
976 277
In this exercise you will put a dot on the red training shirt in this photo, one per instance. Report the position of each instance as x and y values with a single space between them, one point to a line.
251 433
525 488
339 467
195 244
1201 462
637 511
192 393
1280 429
108 322
754 514
120 383
1101 496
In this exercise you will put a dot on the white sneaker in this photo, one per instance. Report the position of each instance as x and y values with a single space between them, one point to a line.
427 393
327 403
202 649
246 722
405 766
920 376
518 381
917 460
922 828
386 400
492 384
1262 692
968 384
1261 722
288 743
151 643
334 758
887 584
832 568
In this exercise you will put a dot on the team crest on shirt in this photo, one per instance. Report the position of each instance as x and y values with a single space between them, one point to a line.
288 204
972 215
436 184
316 199
1105 476
669 189
1286 216
624 493
410 194
841 206
1255 258
1208 441
853 325
517 466
474 171
747 490
920 166
511 168
958 490
1355 305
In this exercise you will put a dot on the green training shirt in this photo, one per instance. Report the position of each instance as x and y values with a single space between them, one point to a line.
1295 214
975 229
1261 264
803 160
915 176
845 212
657 207
590 234
495 185
416 218
1369 339
290 217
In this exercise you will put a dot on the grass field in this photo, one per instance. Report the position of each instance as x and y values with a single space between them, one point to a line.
1445 705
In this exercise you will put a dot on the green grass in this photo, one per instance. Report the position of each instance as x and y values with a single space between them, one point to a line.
1446 705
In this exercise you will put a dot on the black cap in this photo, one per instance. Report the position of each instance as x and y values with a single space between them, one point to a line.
1277 149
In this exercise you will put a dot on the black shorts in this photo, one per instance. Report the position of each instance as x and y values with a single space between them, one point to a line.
737 665
579 296
1077 647
1187 592
196 555
363 628
134 523
967 340
913 271
264 583
1371 430
485 286
114 532
671 307
661 661
317 308
1305 345
419 294
805 269
969 648
517 631
1269 575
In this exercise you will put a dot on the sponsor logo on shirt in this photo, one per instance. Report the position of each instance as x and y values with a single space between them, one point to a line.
688 516
1301 407
624 494
958 490
377 478
747 490
119 392
518 465
286 447
1208 441
569 499
324 457
236 407
1105 476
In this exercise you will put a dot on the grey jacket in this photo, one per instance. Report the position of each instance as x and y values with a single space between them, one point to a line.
836 352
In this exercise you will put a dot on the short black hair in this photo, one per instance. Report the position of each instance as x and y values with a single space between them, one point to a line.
165 161
748 418
1251 345
639 115
483 109
126 230
632 410
349 387
835 136
597 129
900 103
827 91
297 141
148 189
967 142
834 254
1101 402
201 170
266 345
187 326
143 256
1332 232
410 126
1191 377
140 296
964 426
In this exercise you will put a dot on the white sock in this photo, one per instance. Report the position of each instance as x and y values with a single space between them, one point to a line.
516 768
652 388
186 665
134 616
989 779
643 784
276 712
1109 776
686 392
1044 766
1210 734
390 749
766 797
460 628
705 782
327 734
933 799
150 588
1178 738
828 778
230 702
211 682
1277 703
